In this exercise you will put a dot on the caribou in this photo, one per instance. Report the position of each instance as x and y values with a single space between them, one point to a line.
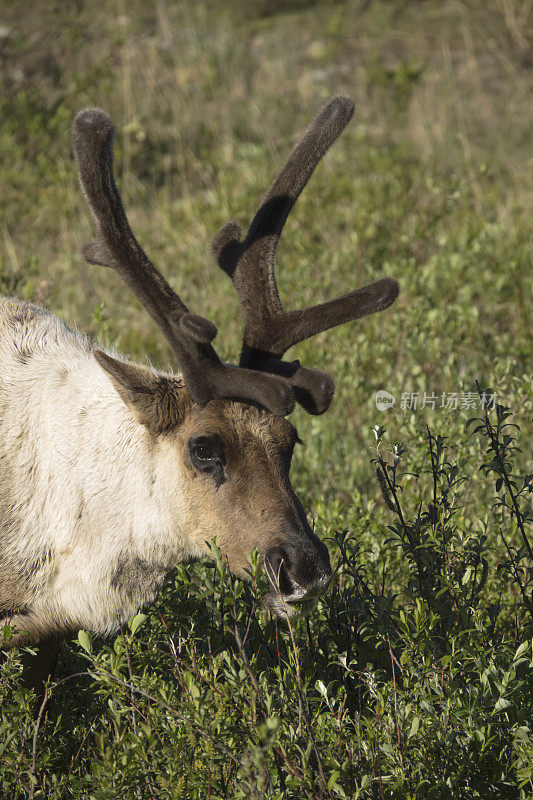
111 472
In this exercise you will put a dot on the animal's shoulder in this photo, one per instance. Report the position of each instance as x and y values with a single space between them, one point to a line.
26 326
21 312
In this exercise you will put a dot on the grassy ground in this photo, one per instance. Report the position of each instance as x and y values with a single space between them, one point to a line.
408 680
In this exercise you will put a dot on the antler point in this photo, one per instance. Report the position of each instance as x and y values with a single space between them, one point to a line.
92 120
201 330
230 233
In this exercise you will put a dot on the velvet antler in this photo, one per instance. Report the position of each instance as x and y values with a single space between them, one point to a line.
268 330
189 335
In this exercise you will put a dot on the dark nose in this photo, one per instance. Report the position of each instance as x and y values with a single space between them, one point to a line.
298 571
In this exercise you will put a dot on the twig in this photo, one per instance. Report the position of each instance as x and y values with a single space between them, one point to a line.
46 697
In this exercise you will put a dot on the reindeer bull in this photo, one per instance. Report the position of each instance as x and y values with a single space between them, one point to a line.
111 473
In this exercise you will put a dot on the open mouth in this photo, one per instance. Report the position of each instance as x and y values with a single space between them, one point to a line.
289 606
298 602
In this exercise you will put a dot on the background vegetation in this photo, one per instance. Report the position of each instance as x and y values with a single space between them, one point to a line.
412 677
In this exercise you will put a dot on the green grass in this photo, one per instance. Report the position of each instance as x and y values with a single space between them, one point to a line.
402 683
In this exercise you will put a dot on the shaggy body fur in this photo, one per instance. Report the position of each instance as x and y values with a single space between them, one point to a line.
85 537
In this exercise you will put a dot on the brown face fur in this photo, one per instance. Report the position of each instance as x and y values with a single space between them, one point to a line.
226 468
248 505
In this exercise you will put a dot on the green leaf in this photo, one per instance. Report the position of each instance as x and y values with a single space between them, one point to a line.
467 575
522 733
501 705
521 650
195 691
84 639
5 744
136 622
333 777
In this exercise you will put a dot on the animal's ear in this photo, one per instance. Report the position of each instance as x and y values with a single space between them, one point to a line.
157 401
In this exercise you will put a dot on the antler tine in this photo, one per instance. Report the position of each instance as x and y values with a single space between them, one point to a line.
268 330
251 264
188 334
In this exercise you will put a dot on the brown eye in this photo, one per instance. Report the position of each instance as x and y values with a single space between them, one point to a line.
202 452
207 455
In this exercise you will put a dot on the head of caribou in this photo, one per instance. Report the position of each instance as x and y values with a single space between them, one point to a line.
224 426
